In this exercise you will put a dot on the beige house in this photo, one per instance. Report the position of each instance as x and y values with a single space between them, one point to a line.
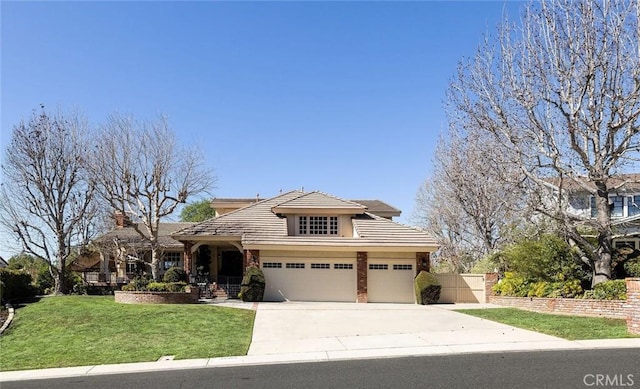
311 246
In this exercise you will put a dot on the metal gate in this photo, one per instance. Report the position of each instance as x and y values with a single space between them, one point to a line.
461 288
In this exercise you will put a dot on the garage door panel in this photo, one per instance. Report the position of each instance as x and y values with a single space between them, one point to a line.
310 280
390 281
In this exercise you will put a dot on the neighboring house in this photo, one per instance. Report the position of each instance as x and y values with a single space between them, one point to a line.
624 200
311 246
117 256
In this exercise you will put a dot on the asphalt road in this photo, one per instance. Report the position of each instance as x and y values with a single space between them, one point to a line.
541 369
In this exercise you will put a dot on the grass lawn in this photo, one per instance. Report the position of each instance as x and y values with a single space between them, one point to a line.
567 327
89 330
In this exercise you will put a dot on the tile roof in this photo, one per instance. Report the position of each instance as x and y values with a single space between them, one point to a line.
128 235
258 224
622 183
320 200
377 206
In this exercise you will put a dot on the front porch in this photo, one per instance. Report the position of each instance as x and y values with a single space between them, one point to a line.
220 265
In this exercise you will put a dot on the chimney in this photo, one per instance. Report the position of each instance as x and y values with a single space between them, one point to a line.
122 220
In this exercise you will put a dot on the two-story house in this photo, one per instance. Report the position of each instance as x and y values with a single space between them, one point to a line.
624 202
312 246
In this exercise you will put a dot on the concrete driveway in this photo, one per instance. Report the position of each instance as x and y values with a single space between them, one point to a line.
393 329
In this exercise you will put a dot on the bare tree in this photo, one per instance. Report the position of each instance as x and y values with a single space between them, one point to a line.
471 199
47 201
143 173
562 90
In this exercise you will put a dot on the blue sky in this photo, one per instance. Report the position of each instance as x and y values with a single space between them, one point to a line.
342 97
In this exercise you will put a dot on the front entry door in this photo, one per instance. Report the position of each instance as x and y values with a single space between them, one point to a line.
230 272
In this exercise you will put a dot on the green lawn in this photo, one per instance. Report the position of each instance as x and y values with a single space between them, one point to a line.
567 327
88 330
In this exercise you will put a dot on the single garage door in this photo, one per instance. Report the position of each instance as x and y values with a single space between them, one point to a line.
390 281
303 279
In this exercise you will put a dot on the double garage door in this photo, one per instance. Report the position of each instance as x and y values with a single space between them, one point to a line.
332 276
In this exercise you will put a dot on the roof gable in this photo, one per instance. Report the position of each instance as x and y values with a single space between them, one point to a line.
319 202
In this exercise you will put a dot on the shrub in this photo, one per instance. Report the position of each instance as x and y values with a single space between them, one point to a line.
632 268
175 274
253 285
176 286
128 288
547 258
608 290
140 283
157 287
15 285
427 288
512 285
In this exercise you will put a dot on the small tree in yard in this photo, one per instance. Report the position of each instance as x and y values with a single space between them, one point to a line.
142 172
47 199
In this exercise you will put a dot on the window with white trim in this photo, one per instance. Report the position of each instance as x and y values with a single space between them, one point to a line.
272 265
621 206
378 266
172 260
633 205
402 267
295 265
317 225
320 266
343 266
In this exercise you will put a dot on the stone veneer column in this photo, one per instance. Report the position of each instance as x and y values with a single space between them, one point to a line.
362 268
633 305
423 262
188 258
490 279
251 258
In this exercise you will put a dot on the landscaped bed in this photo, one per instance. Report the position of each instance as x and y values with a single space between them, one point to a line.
87 330
567 327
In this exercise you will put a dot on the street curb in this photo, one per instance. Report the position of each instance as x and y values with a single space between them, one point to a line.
309 357
9 319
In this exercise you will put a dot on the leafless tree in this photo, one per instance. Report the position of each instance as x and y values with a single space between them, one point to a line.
562 90
144 173
46 199
471 199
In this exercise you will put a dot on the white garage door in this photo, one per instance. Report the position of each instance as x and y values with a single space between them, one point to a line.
390 281
318 278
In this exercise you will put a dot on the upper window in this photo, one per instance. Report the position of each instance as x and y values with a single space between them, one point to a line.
615 202
318 225
633 205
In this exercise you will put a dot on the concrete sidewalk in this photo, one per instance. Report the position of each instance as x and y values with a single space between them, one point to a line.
317 332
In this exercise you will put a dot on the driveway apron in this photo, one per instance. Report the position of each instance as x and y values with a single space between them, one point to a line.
299 327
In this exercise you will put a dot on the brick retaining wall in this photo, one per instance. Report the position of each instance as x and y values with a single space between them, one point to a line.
615 309
628 309
633 305
157 297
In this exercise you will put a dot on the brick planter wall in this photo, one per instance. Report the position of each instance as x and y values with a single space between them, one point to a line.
633 305
157 297
615 309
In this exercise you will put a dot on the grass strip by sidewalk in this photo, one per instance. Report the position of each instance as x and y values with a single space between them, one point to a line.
567 327
89 330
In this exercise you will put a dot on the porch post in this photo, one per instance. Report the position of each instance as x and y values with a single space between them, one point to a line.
250 258
188 258
362 269
422 262
104 268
